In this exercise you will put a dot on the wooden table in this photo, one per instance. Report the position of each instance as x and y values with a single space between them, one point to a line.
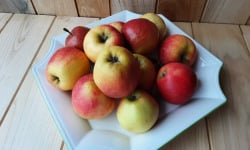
26 124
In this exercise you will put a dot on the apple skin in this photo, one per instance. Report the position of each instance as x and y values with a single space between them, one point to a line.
158 21
176 82
99 38
148 72
138 112
178 48
76 37
88 101
116 72
118 25
142 35
66 66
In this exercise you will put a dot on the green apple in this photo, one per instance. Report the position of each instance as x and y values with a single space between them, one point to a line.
66 66
116 72
138 112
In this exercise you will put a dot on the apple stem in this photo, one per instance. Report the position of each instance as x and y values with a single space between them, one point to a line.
132 97
66 30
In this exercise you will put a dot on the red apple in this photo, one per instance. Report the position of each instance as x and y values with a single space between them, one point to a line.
99 38
116 72
76 37
88 101
138 112
66 66
178 48
142 35
148 72
176 82
118 25
159 22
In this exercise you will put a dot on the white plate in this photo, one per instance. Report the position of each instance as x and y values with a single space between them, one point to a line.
106 133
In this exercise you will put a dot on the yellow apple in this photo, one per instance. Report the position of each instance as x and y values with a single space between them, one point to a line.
116 72
138 112
99 38
66 66
148 72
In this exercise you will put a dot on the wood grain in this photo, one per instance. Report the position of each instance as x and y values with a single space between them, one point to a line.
226 11
28 116
93 8
19 42
137 6
246 34
56 7
198 131
181 10
16 6
4 18
229 125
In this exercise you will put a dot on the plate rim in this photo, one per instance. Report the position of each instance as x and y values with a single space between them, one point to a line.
67 140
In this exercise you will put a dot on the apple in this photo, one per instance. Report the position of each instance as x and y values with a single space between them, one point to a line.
116 72
66 66
88 101
99 38
176 82
138 112
76 37
178 48
158 21
148 72
118 25
142 35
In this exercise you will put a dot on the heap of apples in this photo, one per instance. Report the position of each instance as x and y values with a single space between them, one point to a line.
122 63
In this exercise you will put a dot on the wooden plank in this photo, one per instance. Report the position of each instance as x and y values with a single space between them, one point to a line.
56 7
137 6
181 10
246 34
198 132
248 21
226 11
28 124
16 6
19 42
229 125
4 18
93 8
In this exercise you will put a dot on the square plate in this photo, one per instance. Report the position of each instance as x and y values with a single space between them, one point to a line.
106 133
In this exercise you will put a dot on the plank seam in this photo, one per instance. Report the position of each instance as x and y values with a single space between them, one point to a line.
24 76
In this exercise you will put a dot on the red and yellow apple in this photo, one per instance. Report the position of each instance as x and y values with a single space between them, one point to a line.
176 82
148 72
142 35
138 112
99 38
118 25
158 21
88 101
178 48
76 37
116 72
66 66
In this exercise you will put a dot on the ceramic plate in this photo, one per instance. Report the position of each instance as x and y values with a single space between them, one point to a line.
106 133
